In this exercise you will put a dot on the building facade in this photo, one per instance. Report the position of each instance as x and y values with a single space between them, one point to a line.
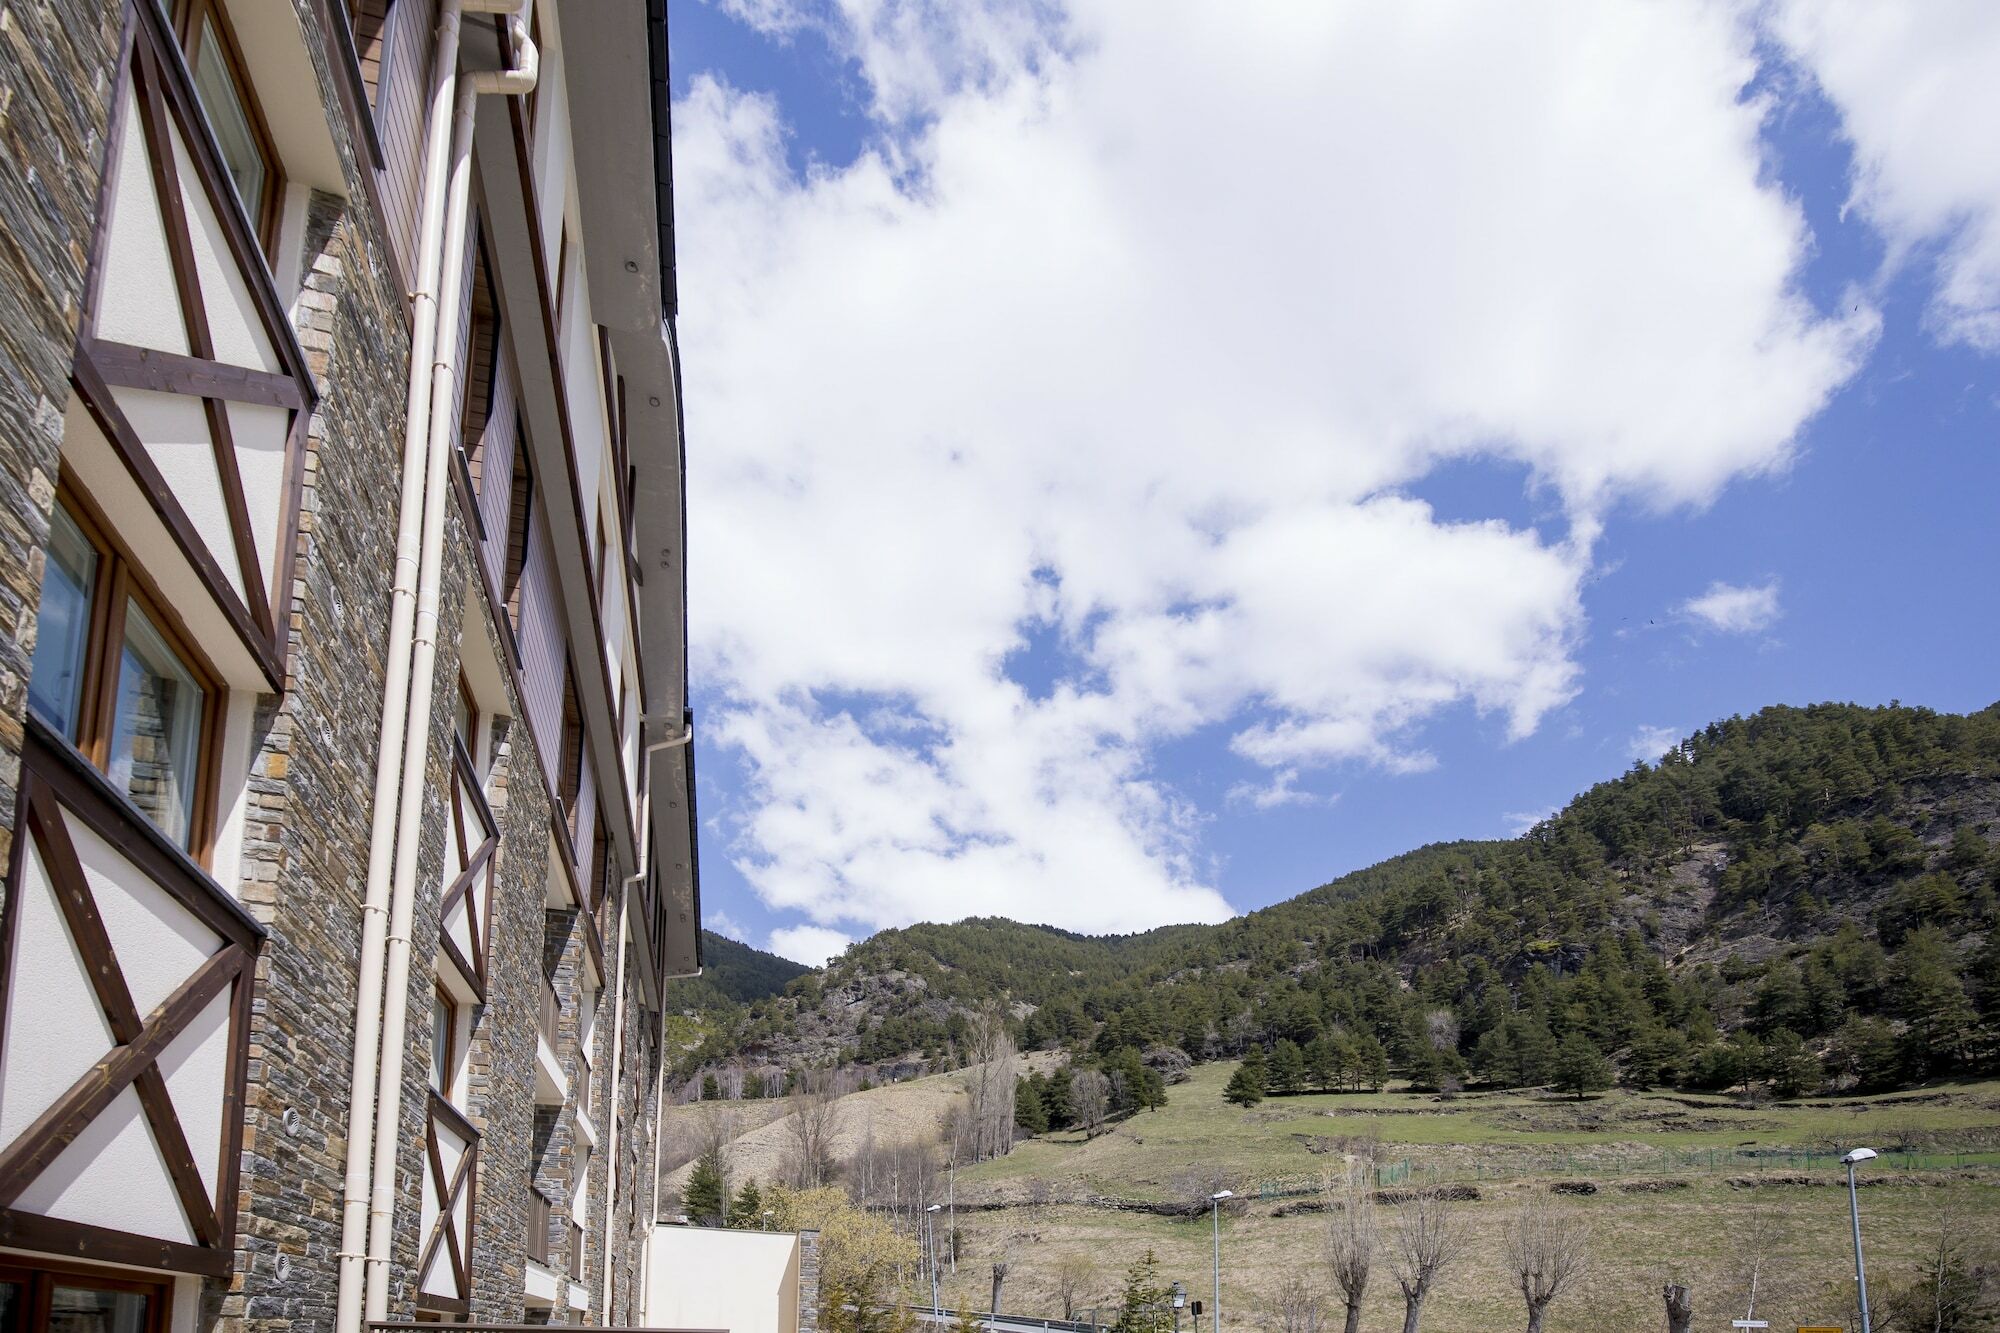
346 776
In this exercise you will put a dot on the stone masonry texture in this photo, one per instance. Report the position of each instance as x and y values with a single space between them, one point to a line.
309 797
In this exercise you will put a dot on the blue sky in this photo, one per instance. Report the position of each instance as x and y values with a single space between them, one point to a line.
1840 503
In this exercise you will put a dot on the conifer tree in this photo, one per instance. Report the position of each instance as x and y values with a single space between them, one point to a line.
1580 1067
707 1195
748 1209
1247 1085
1288 1067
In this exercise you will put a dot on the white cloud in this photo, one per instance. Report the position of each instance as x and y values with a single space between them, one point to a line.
812 945
1735 609
1281 790
1130 334
1918 90
722 923
1520 821
1649 743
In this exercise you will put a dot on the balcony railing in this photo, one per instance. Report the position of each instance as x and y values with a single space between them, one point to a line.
547 1022
575 1253
539 1214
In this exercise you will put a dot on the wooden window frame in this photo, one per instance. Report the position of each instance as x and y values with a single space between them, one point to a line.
121 579
472 719
40 1277
264 213
442 993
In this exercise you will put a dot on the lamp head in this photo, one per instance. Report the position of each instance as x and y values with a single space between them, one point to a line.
1220 1195
1180 1296
1858 1156
935 1208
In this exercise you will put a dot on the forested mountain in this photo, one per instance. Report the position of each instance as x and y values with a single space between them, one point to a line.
732 974
1801 896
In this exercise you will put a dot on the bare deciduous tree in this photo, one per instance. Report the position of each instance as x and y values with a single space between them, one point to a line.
1428 1238
989 1083
1000 1267
1075 1272
1089 1098
1301 1306
1350 1242
814 1119
1547 1250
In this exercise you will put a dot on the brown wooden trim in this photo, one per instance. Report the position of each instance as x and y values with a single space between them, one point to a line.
114 148
236 1097
177 85
458 1249
194 309
121 581
51 1133
127 367
348 84
32 1231
552 342
97 399
264 212
86 793
66 1117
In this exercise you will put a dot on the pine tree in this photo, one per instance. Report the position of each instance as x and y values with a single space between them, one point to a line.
1030 1114
1371 1062
711 1091
1580 1067
1288 1067
1142 1307
707 1195
1247 1085
1322 1063
748 1210
1056 1100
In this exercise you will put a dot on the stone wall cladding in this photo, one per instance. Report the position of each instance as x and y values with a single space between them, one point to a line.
58 63
308 801
809 1282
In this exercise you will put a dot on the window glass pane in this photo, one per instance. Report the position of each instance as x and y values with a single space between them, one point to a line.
156 731
461 717
441 1024
82 1310
229 116
62 629
13 1299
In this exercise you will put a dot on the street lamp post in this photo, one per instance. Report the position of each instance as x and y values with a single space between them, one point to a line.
1215 1220
1850 1161
930 1231
1180 1303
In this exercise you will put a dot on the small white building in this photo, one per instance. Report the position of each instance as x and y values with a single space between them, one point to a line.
740 1281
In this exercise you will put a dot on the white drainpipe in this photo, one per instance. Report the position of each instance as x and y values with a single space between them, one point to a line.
618 1017
381 1009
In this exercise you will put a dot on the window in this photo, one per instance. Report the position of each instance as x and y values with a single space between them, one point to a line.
465 721
444 1040
232 111
111 675
62 634
60 1299
520 511
482 347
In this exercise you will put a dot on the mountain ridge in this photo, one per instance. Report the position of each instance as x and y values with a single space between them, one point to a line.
1802 848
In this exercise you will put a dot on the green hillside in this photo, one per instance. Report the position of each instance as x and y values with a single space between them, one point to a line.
732 974
1800 898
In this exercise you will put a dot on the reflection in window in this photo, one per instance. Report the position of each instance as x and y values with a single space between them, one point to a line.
84 1310
62 632
156 727
444 1024
229 116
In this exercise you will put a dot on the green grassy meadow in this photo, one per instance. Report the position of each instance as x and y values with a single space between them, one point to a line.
1660 1210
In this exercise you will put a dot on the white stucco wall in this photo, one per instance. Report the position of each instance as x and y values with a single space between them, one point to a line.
706 1278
